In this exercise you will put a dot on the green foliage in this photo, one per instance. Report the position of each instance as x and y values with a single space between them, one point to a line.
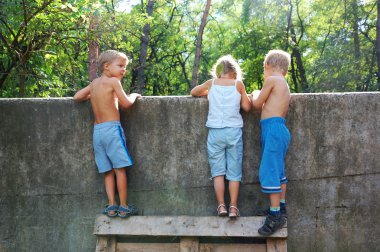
44 43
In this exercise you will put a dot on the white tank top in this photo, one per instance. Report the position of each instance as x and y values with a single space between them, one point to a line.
224 107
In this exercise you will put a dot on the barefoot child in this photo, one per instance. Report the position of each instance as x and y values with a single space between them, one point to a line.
111 155
226 94
273 101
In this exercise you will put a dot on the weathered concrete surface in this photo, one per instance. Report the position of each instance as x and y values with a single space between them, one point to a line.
50 191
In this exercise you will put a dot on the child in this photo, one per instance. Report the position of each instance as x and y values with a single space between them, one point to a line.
273 101
226 94
111 154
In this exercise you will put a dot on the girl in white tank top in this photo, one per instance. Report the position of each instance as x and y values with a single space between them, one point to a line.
226 94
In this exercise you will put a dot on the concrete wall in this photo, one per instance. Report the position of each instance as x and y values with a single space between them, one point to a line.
50 191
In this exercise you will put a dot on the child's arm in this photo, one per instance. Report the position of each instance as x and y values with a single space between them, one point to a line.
245 102
259 97
201 90
82 95
124 100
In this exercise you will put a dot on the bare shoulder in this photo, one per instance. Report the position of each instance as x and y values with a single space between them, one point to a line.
207 83
94 81
240 83
112 82
276 80
240 86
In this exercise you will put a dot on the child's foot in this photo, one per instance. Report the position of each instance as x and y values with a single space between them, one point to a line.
125 212
234 212
110 210
272 224
222 210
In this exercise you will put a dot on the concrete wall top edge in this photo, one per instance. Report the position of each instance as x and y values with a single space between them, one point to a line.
189 96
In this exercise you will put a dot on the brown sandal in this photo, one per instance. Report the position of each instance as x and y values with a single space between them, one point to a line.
222 210
234 214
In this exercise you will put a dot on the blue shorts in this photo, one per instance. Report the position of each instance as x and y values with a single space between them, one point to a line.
109 146
275 139
225 152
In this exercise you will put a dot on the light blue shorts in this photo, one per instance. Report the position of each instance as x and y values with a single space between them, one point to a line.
275 139
225 152
109 146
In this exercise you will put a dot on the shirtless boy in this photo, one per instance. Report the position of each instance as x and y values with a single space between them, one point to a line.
111 154
273 102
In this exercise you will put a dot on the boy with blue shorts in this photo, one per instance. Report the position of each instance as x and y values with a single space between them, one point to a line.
111 154
273 101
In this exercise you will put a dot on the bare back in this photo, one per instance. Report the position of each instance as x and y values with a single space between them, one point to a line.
277 102
104 102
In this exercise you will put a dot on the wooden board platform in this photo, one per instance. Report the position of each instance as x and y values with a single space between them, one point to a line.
189 230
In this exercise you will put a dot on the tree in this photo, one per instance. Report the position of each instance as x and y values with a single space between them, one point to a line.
28 29
48 47
93 47
299 72
197 57
144 49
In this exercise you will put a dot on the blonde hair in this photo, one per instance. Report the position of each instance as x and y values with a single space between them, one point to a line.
226 65
278 60
108 57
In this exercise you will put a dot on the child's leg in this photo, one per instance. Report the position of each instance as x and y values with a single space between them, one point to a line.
282 200
121 179
274 199
274 219
109 181
234 193
283 193
234 154
219 189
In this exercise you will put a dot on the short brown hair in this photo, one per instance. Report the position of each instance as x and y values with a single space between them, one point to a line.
278 59
109 56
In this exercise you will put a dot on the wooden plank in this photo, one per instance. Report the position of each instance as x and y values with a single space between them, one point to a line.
105 243
276 245
212 247
189 244
175 247
148 247
195 226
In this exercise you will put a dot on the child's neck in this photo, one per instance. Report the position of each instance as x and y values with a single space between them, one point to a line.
273 74
107 74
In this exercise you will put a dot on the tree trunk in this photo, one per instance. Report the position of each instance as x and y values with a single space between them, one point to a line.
144 50
355 34
296 51
22 78
4 73
183 68
293 73
198 51
93 48
355 29
378 44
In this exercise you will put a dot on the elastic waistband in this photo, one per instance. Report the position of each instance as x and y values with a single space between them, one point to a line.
271 120
106 124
